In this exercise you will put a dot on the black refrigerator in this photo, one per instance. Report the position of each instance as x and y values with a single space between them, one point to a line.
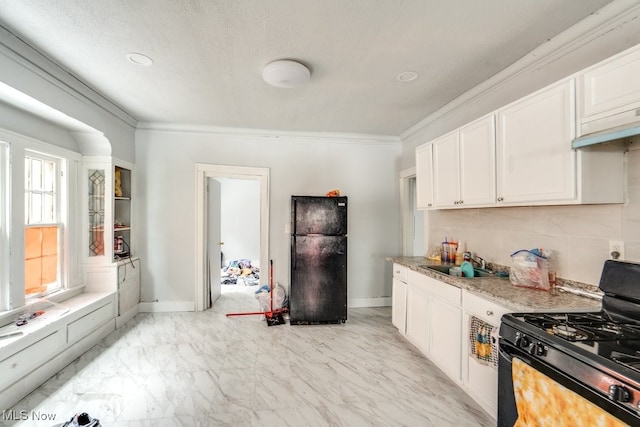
318 292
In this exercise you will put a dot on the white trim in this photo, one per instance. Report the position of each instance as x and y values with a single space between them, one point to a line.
370 302
204 171
406 213
230 132
37 145
166 306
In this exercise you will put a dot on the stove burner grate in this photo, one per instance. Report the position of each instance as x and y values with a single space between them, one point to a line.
568 332
583 326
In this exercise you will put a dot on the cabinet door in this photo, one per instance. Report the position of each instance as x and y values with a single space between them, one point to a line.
424 177
399 305
535 162
611 87
446 337
478 163
417 316
446 170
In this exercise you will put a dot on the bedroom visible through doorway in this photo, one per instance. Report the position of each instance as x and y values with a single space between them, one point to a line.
239 232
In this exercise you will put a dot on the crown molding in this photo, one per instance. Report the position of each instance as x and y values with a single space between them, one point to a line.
25 55
333 137
610 18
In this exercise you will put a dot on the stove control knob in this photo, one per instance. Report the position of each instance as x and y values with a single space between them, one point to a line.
619 393
539 349
524 342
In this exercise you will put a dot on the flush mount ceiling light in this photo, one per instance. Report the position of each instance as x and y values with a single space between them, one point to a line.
285 73
407 76
139 59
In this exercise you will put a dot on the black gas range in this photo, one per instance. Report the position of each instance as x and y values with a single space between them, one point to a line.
592 359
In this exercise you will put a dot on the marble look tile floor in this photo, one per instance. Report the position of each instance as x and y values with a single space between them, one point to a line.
207 369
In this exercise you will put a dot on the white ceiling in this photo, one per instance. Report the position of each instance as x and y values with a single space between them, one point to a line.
208 55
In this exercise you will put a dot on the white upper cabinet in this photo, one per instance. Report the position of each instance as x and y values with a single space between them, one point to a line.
478 162
522 155
610 92
464 166
446 170
535 161
424 177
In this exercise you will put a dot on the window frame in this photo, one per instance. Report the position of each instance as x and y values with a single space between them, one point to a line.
13 148
60 199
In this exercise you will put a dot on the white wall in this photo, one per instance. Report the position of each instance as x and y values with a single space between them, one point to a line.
366 172
240 227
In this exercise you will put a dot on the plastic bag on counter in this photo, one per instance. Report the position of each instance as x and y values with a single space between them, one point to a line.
530 269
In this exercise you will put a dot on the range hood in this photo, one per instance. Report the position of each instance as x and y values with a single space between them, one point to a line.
613 128
608 135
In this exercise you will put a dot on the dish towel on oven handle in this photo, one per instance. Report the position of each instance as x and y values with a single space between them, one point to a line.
541 401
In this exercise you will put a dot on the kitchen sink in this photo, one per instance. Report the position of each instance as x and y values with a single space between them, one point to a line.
444 269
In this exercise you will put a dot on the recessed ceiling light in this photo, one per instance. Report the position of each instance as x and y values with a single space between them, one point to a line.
139 59
407 76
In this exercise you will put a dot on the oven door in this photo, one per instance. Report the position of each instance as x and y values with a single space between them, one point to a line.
533 393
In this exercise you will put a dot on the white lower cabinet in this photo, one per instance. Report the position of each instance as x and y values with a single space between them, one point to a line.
480 369
434 321
446 329
449 326
399 305
418 311
399 298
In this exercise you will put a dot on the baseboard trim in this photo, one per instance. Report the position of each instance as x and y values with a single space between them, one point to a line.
130 314
166 306
370 302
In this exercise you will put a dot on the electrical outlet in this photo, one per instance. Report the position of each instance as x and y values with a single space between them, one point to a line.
616 246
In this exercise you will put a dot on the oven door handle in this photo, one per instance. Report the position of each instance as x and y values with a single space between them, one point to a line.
508 351
503 353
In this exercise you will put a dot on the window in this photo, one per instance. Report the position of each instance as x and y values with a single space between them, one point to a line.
43 225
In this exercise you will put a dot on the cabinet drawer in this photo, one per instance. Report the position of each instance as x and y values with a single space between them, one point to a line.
445 292
21 363
488 311
400 272
88 323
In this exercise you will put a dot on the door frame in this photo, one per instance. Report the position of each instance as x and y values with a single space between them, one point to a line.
203 172
408 224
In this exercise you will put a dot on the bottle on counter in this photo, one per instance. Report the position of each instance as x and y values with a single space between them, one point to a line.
445 251
459 253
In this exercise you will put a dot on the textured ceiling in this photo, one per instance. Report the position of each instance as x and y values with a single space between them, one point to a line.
208 55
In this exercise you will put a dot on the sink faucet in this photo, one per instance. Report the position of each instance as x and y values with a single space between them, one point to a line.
480 261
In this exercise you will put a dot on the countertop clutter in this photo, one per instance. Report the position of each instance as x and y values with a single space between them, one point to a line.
501 291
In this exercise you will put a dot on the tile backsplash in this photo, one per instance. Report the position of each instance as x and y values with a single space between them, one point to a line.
578 235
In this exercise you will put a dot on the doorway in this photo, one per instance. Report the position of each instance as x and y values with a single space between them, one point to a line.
208 233
414 221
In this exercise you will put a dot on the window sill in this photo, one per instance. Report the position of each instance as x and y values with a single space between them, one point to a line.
10 316
61 313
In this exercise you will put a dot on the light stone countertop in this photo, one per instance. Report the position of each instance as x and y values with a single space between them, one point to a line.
501 291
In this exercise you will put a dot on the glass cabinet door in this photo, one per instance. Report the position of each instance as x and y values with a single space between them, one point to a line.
96 207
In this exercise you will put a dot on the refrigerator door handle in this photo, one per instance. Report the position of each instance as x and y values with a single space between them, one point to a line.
293 218
294 252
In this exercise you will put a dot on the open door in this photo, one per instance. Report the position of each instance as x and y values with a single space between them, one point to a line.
214 241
